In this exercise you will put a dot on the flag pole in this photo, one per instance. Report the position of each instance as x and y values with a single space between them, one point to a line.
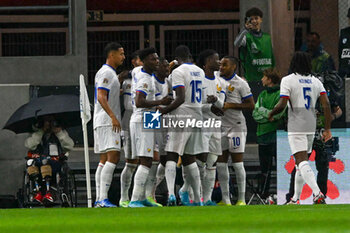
85 115
87 166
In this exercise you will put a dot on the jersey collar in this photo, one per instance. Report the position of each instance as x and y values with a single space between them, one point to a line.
213 78
110 67
155 76
228 79
142 70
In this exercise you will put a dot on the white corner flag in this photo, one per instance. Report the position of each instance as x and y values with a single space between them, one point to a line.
85 115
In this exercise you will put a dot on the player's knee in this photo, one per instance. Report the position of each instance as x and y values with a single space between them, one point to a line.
211 160
145 161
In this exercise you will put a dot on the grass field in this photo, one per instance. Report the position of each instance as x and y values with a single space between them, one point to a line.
307 218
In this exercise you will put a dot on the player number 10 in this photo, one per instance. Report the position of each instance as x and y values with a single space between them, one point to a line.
236 141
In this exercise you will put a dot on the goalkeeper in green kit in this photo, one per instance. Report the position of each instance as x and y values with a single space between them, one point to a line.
255 46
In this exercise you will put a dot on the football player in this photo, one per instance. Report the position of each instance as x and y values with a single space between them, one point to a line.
142 140
106 122
300 90
234 129
187 142
131 160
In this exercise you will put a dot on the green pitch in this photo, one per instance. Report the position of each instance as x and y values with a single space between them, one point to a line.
321 218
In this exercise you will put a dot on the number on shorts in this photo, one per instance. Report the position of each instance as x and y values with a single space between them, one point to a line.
236 141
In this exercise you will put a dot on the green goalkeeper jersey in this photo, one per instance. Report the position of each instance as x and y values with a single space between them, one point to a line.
257 56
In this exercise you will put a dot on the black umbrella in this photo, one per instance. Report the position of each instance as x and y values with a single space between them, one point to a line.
65 109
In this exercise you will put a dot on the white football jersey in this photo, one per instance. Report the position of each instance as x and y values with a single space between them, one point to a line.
127 94
145 84
162 88
127 101
212 86
106 78
135 71
302 92
237 90
190 77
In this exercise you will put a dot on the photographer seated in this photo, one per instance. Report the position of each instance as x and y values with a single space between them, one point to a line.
47 150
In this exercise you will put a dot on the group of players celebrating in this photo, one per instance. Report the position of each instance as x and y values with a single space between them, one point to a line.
207 90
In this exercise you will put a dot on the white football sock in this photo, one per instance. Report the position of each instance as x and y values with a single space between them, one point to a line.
186 186
298 184
98 180
209 179
140 179
201 168
223 177
151 180
309 176
106 179
170 176
160 177
125 180
193 178
241 180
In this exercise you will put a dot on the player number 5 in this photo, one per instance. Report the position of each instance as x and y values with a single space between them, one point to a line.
307 97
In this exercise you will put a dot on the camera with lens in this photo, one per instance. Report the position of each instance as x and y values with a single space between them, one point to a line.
330 148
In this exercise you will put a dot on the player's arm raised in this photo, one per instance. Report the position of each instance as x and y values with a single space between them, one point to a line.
327 115
180 99
103 100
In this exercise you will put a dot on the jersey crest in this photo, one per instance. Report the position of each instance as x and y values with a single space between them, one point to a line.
231 88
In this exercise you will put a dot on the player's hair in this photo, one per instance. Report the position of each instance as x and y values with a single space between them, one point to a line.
135 54
273 74
315 34
145 52
203 57
254 12
113 46
162 59
233 59
182 52
301 63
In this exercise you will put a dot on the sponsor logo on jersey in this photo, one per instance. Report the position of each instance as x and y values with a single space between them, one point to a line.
345 53
145 85
128 86
151 120
148 150
117 142
105 80
218 88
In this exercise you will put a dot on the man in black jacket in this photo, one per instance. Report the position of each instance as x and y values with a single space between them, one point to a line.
344 51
